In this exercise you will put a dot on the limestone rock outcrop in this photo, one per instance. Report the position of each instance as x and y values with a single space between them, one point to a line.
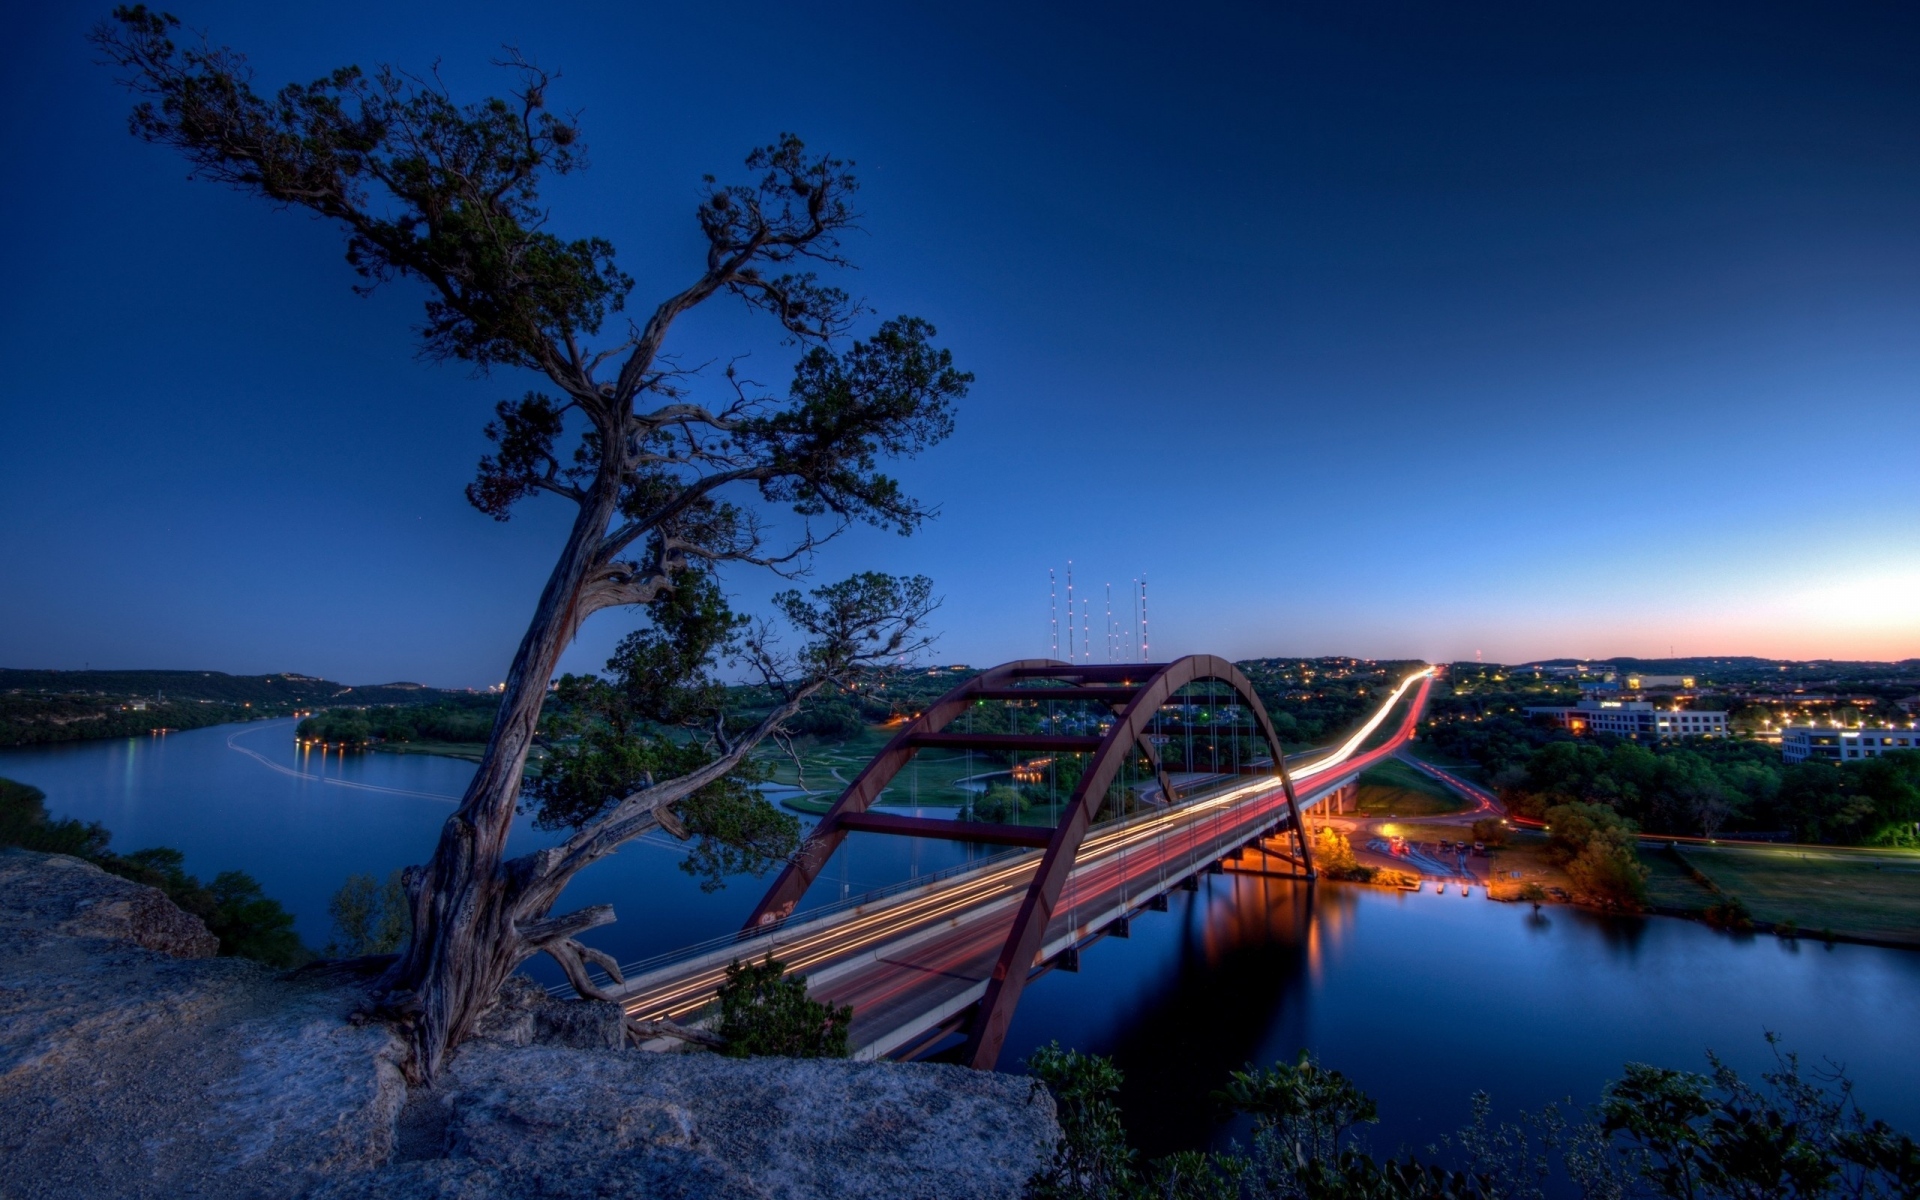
53 893
128 1071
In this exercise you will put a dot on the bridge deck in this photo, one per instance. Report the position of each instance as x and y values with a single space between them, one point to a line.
914 961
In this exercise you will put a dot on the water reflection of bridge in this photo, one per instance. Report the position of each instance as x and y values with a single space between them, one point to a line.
951 953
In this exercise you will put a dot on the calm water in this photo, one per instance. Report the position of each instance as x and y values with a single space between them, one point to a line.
1422 998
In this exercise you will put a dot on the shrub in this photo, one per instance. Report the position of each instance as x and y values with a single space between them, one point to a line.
234 908
1395 878
1675 1135
24 823
1600 852
1092 1158
763 1011
369 917
1001 805
1491 830
1333 857
1729 913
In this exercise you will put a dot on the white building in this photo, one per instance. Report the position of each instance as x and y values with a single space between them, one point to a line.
1635 719
1829 743
1637 682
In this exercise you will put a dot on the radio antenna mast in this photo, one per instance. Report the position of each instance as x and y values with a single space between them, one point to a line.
1133 642
1146 650
1110 646
1070 657
1053 612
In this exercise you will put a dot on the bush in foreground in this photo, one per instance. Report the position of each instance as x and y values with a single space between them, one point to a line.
765 1011
1657 1132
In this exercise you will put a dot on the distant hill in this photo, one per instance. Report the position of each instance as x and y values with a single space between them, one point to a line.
1741 669
64 706
285 688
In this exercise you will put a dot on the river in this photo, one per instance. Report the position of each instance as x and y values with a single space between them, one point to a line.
1423 998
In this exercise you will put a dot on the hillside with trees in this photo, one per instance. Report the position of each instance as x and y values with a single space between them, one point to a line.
39 707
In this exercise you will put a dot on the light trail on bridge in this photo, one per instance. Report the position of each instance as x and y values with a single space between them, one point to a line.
911 964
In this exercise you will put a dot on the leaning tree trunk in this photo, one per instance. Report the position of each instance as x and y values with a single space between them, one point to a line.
469 929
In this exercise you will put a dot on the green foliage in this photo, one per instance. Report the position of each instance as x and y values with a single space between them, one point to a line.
1656 1132
369 917
1304 1109
1689 1136
1092 1159
445 721
248 924
1601 855
1333 857
40 707
24 823
1729 912
735 831
828 718
607 739
765 1011
1699 787
1000 805
1491 830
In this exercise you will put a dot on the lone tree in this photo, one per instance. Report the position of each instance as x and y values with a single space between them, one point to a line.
668 488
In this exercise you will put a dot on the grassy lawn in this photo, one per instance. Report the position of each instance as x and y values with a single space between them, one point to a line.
471 751
1395 789
1670 886
1864 893
1471 772
929 780
1523 860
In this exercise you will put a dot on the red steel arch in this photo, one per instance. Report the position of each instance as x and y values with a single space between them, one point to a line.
1135 692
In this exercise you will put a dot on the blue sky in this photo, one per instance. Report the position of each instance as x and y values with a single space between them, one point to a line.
1367 329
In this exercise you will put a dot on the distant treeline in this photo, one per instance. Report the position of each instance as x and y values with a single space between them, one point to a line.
36 720
39 707
469 719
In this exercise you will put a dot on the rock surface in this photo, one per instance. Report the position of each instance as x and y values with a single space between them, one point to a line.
126 1071
52 893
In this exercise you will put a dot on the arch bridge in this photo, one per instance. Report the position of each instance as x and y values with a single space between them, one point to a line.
952 952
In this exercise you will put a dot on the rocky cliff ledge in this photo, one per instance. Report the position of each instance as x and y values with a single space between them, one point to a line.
131 1064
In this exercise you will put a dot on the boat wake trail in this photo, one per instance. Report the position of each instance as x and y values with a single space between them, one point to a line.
309 777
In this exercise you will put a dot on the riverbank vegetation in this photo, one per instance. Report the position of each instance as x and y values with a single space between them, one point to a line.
467 720
248 923
1660 1132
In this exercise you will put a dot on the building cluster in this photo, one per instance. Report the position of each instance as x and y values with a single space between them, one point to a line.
1829 743
1634 719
